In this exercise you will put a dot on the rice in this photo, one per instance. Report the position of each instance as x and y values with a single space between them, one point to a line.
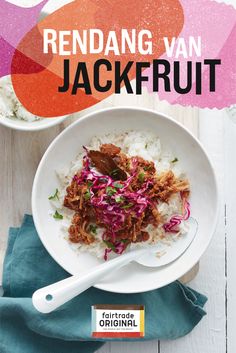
10 106
133 143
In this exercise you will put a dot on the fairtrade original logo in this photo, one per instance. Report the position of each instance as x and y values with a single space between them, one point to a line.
117 321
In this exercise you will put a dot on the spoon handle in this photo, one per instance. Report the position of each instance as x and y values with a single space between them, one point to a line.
51 297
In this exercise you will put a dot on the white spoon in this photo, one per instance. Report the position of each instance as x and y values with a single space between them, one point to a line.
51 297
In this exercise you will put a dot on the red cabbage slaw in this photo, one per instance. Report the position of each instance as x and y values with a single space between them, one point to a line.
112 202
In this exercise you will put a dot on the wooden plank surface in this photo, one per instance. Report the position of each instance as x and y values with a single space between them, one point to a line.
210 335
230 224
21 153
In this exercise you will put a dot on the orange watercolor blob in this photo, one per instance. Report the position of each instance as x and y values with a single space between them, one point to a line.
36 76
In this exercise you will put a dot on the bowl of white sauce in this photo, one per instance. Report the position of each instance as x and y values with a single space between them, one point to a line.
15 116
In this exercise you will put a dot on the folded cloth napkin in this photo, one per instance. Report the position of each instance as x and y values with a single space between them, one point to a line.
170 312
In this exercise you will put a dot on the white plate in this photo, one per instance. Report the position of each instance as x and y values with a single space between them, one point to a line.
204 196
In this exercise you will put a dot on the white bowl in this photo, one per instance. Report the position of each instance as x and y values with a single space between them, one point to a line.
17 124
9 102
194 160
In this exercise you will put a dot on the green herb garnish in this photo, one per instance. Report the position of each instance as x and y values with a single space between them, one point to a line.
124 241
128 205
55 196
119 199
110 191
87 195
57 215
93 228
89 183
110 245
118 185
147 167
174 160
141 177
146 146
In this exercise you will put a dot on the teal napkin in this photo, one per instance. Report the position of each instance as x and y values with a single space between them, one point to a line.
170 312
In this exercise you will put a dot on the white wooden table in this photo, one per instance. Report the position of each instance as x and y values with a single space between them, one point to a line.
21 153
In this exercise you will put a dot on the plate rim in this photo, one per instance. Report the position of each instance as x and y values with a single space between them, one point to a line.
21 125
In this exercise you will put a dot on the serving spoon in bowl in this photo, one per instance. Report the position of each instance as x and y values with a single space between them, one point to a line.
51 297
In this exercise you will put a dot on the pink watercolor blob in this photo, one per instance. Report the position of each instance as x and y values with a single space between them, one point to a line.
15 22
215 23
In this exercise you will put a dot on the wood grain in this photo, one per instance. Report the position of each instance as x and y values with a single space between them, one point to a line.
230 227
210 335
21 153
